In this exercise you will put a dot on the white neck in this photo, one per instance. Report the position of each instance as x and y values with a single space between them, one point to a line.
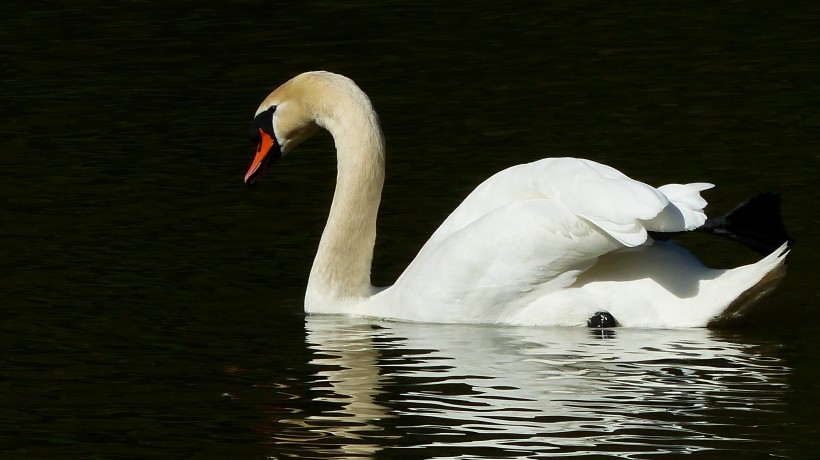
341 269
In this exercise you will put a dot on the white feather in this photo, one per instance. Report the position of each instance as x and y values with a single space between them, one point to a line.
545 243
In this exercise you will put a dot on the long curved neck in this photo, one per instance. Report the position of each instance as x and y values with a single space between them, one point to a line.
341 269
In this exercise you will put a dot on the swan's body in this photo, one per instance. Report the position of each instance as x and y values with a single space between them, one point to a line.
545 243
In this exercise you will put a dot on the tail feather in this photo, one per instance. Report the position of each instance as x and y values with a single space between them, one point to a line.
755 223
756 279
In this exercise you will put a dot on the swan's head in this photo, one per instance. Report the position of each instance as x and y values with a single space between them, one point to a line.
281 123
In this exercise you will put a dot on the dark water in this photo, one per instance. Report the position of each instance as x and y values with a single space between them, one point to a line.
152 304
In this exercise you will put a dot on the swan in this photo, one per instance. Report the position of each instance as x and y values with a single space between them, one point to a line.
555 242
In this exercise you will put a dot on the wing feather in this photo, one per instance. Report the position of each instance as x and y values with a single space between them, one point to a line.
598 193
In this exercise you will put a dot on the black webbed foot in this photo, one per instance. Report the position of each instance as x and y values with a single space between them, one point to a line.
602 319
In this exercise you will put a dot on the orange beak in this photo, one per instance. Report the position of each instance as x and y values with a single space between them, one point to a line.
267 150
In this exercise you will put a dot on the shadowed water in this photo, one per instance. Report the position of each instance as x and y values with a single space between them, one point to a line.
490 392
151 305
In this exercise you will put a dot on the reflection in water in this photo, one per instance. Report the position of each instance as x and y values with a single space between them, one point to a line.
348 382
489 392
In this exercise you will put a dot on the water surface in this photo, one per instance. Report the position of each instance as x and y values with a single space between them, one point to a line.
152 304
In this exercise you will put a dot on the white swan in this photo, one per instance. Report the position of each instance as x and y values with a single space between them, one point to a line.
551 242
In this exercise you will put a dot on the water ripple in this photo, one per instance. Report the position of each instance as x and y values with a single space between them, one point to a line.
456 391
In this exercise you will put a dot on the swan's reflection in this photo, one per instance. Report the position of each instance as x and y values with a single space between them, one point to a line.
492 392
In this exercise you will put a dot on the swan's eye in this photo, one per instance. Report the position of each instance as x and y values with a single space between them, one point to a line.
263 121
253 135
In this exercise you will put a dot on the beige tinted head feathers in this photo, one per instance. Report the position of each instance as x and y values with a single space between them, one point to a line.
296 110
280 124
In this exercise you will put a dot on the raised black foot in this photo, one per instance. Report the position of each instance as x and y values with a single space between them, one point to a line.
602 319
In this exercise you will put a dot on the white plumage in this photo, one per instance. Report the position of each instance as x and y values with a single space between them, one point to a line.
545 243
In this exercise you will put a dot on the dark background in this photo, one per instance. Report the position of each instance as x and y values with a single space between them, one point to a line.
134 259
